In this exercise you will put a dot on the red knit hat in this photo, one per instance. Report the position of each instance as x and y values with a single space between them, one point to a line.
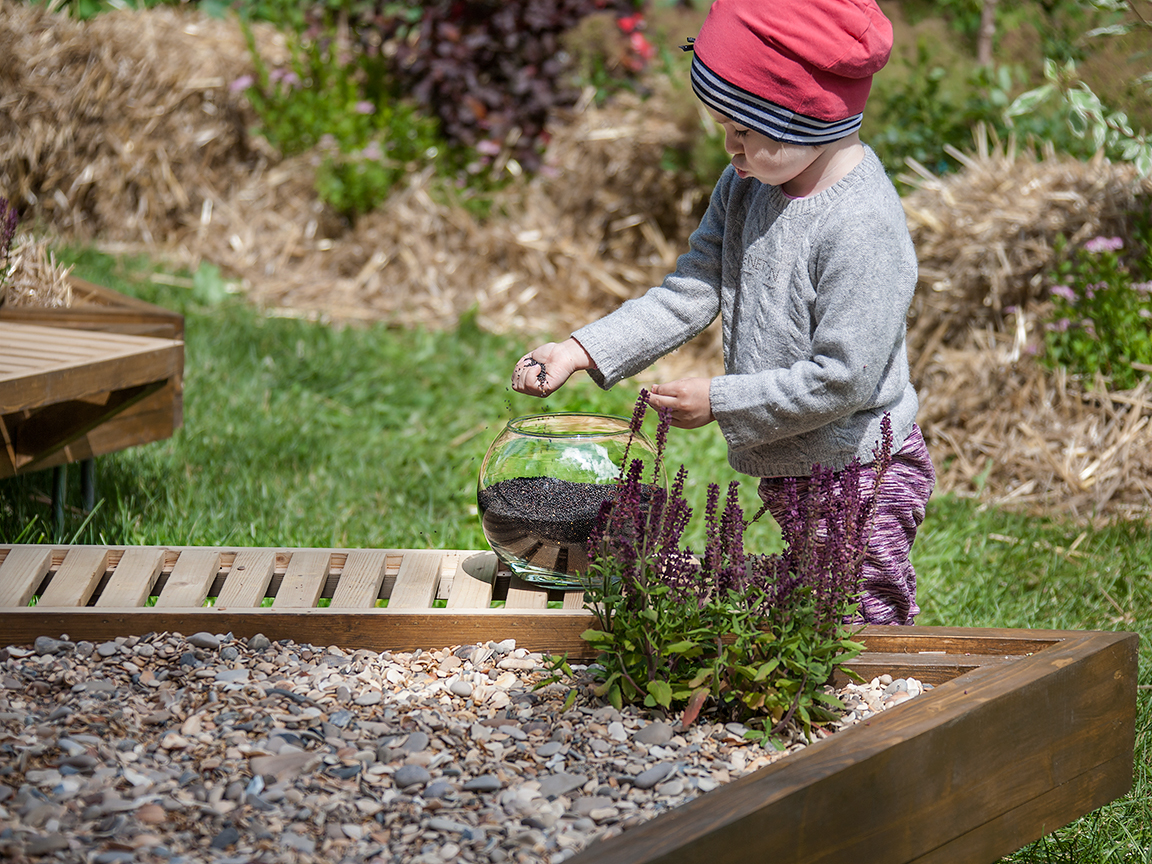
797 71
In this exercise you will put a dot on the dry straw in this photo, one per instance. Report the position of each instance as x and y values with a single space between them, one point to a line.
125 131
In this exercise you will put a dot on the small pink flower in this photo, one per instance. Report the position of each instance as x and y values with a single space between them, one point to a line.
1065 292
488 147
241 84
642 46
1104 244
365 107
372 151
629 23
1142 287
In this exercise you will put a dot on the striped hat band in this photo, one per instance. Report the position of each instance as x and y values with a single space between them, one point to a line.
767 118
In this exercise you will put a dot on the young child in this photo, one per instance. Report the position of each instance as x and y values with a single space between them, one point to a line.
805 254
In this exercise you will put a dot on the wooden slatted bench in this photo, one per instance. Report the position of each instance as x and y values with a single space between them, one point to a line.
1024 731
37 434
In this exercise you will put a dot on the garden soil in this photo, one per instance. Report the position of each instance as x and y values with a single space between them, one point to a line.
126 132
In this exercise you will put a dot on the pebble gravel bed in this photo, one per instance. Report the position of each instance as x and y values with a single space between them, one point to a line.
166 749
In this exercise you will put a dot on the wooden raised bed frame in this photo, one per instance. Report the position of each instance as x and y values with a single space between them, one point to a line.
1024 731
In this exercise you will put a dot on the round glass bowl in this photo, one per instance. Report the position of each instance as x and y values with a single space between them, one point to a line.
541 486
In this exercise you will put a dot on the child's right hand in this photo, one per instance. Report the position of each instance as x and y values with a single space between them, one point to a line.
545 369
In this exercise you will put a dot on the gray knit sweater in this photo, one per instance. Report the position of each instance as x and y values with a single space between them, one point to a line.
812 295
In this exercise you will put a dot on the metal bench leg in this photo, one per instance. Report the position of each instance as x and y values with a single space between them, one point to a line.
88 484
59 490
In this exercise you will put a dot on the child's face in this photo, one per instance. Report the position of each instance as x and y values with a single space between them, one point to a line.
770 162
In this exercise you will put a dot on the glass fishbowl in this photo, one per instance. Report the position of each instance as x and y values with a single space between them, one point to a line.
541 486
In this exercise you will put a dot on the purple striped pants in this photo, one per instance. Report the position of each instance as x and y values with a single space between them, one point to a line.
889 581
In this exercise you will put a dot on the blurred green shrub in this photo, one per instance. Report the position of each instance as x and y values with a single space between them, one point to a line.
338 102
932 108
1101 315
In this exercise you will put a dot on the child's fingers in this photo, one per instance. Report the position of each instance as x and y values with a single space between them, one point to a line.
530 376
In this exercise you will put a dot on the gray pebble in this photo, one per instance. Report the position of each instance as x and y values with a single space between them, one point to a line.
549 749
585 804
298 843
107 649
654 734
410 775
649 778
46 844
229 653
559 784
439 789
47 645
460 688
449 825
259 642
416 742
204 640
483 783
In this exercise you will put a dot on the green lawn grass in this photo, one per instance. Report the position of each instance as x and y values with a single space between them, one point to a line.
303 434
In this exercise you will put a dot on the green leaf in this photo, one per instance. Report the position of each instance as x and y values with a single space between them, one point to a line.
661 691
615 699
766 669
595 636
680 647
829 699
1027 102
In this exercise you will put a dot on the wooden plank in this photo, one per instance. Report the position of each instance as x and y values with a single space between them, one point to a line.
573 600
95 307
918 777
960 640
131 582
57 426
524 595
246 584
44 365
192 576
304 579
378 629
1040 816
360 581
417 580
77 577
472 585
154 418
23 570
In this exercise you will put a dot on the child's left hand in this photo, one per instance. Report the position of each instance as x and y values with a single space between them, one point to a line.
689 400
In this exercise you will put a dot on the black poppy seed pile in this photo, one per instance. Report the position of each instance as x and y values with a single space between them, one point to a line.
541 509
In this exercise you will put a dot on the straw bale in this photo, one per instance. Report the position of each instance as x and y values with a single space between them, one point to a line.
31 275
984 235
120 126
